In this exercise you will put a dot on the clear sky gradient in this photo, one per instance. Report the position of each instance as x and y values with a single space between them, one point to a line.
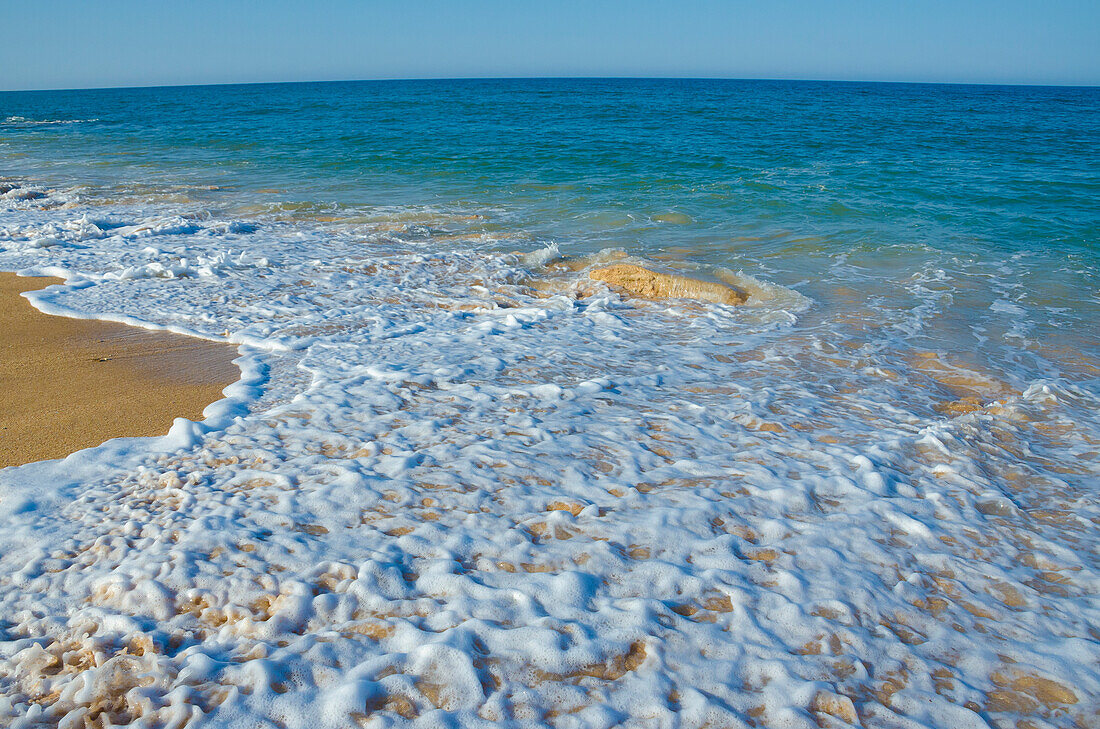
96 43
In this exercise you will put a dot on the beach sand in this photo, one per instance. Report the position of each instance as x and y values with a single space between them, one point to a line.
653 285
67 384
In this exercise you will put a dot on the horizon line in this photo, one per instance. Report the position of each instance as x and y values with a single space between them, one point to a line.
399 79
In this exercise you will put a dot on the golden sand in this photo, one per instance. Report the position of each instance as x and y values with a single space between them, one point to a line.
67 384
653 285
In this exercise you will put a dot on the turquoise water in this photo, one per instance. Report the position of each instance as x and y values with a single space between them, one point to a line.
791 179
461 481
960 168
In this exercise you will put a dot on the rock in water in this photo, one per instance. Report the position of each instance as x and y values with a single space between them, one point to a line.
653 285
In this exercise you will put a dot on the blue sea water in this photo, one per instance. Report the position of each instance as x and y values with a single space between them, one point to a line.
960 167
499 491
785 175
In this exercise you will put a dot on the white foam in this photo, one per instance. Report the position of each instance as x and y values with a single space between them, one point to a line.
23 121
435 494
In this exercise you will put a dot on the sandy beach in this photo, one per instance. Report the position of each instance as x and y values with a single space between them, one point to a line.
68 384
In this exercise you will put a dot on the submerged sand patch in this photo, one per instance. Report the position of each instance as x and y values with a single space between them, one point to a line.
67 384
653 285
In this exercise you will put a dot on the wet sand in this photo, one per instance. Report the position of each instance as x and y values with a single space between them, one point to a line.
67 384
653 285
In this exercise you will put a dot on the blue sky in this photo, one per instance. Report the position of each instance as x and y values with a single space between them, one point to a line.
82 43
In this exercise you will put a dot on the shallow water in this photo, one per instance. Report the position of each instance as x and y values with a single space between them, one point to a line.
462 482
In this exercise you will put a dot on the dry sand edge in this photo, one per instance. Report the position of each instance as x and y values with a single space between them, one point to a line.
68 384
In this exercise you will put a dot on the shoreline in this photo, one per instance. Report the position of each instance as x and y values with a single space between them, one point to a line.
67 384
690 423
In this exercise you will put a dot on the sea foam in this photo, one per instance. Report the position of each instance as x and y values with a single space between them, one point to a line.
445 493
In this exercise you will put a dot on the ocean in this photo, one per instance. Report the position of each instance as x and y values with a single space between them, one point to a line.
462 483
